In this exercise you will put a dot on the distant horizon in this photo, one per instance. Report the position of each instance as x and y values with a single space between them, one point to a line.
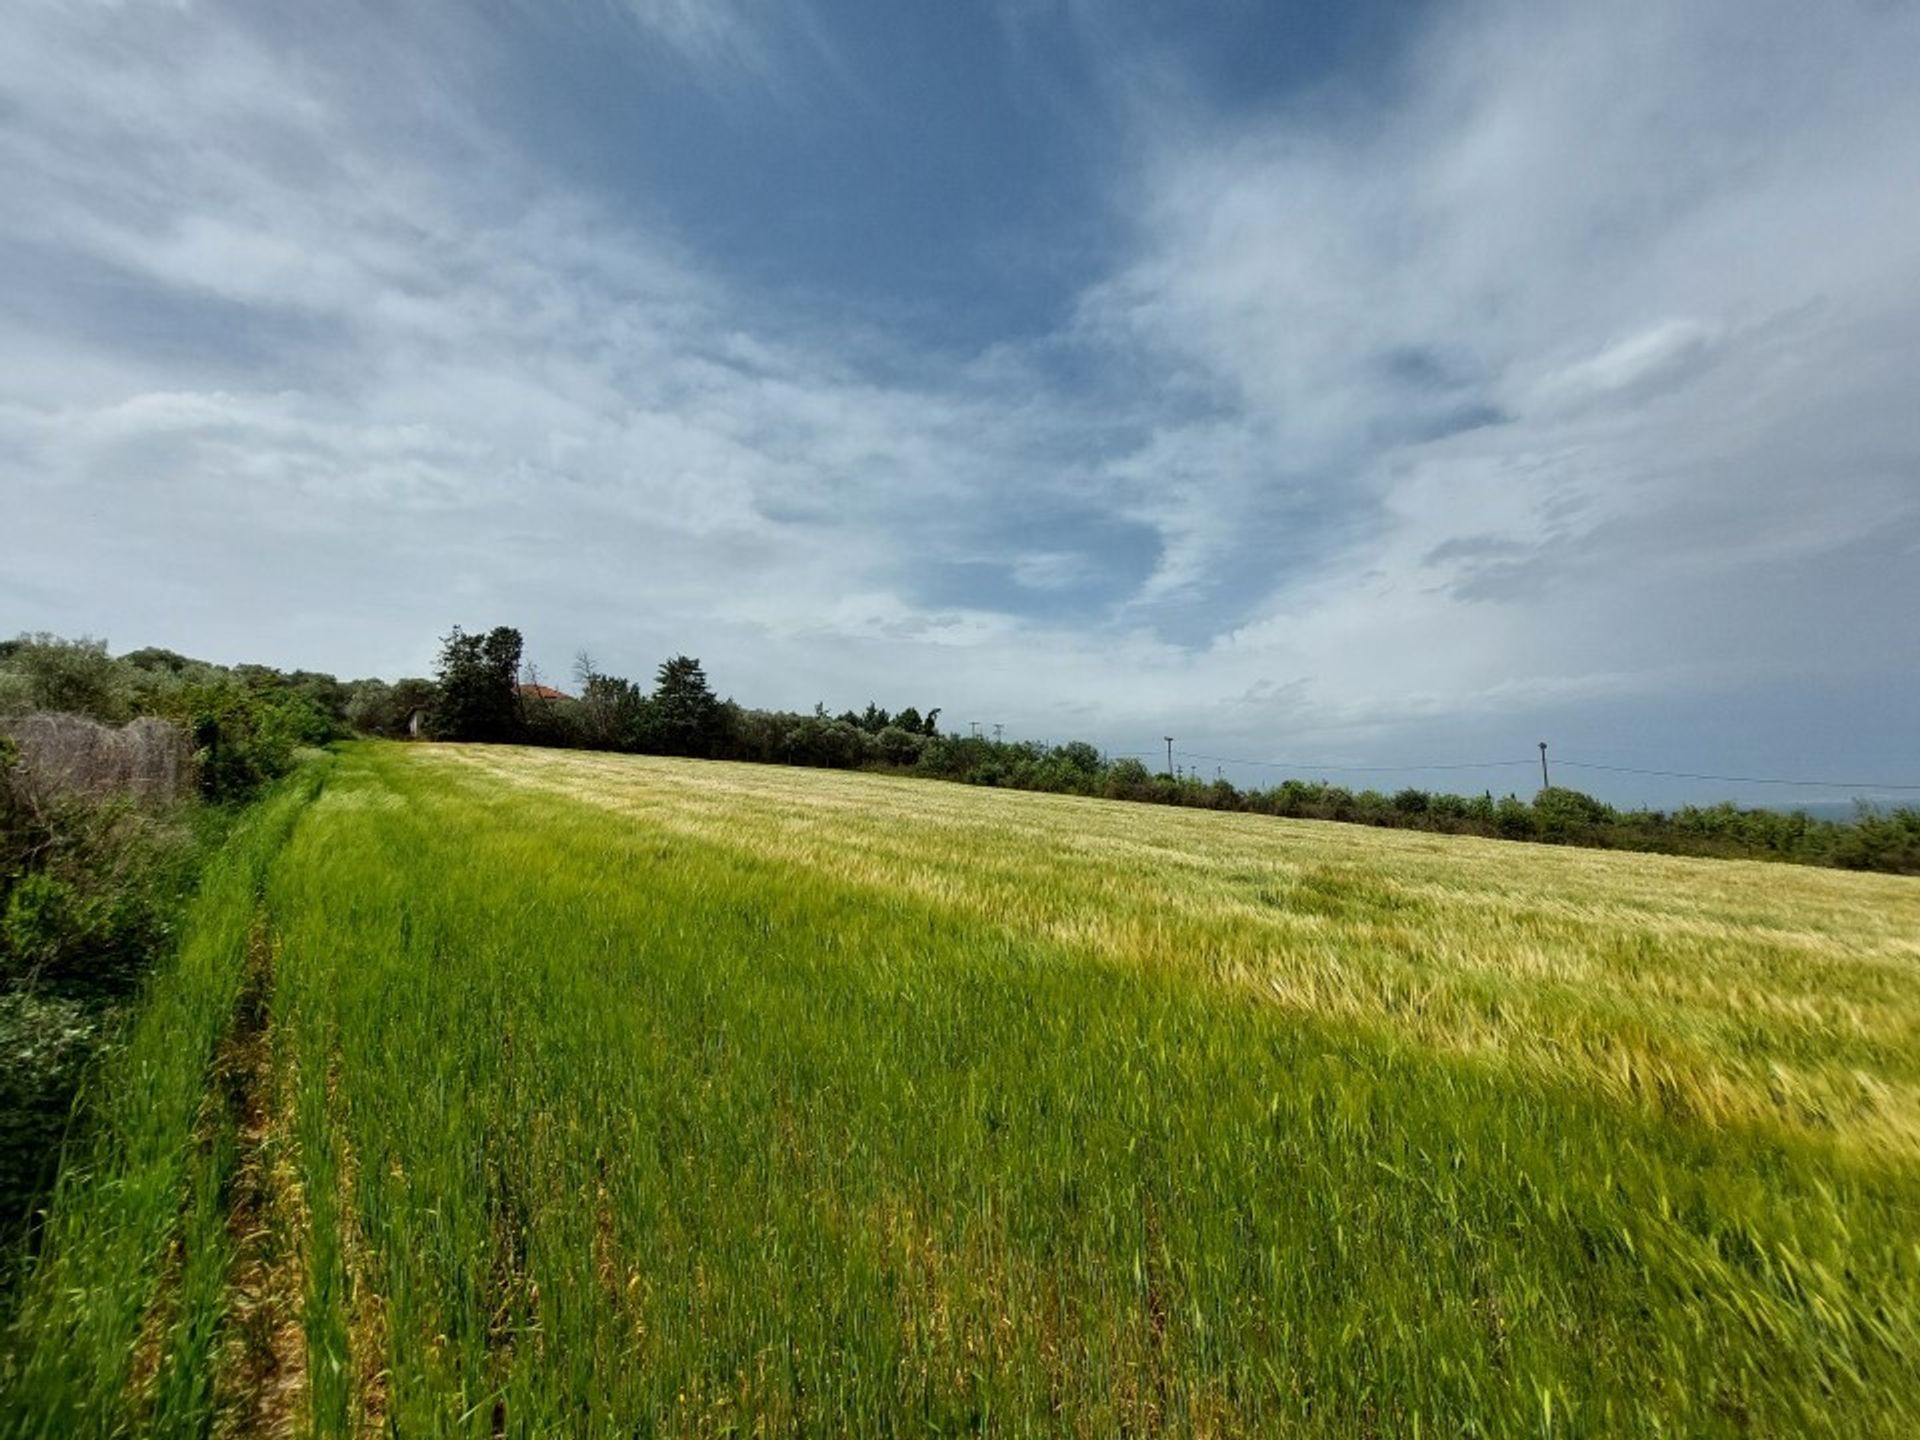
1408 380
1514 776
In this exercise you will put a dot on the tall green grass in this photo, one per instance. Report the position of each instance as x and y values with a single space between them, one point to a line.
117 1320
645 1098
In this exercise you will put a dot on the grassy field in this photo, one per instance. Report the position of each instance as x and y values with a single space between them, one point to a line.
511 1092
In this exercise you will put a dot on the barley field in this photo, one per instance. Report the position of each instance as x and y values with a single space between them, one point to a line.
530 1093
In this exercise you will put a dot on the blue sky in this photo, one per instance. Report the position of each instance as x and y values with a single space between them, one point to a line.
1369 384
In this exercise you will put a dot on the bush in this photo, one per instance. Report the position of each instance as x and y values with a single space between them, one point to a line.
1565 816
74 677
99 896
1513 819
245 737
898 746
1126 779
42 925
1881 842
376 708
1079 757
561 724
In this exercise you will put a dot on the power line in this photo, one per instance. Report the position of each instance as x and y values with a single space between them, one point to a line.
1312 765
1356 769
1577 764
1736 779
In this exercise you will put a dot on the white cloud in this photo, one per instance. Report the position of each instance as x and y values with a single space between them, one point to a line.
1641 365
1608 292
1574 368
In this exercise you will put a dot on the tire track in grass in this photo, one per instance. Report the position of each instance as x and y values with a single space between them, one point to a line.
126 1314
235 1365
512 1297
260 1374
205 1354
344 1322
367 1333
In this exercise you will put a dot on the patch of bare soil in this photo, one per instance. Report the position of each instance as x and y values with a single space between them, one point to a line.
260 1380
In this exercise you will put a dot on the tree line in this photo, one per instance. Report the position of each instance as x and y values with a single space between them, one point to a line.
479 697
247 723
481 692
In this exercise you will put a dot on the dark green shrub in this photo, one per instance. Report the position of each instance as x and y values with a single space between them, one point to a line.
898 746
1562 815
42 925
1875 841
561 724
1126 779
244 737
98 901
72 677
1513 819
377 708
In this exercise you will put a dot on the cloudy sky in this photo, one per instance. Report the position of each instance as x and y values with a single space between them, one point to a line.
1371 384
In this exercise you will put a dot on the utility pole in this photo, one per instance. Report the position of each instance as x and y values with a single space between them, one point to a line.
997 727
1169 740
1545 783
976 728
